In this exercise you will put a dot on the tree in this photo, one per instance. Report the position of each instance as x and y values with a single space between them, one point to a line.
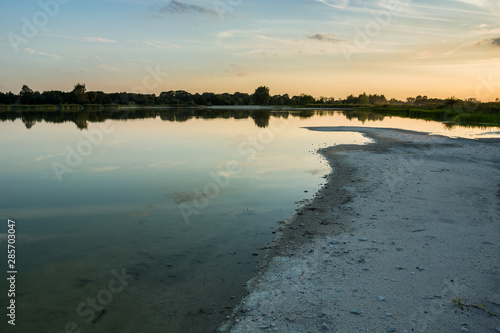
351 99
79 94
261 95
4 98
27 95
303 99
377 99
364 99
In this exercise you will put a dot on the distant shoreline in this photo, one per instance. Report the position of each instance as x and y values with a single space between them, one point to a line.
453 116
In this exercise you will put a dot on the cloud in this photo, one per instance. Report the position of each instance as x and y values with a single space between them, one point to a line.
112 68
228 33
478 3
104 169
325 38
237 73
163 165
335 3
237 70
54 56
41 158
495 41
98 40
162 45
179 7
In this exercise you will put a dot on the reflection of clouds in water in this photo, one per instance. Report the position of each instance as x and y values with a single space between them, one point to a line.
316 172
183 197
105 169
41 158
180 197
162 165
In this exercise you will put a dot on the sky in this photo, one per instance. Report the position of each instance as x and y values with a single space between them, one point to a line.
330 48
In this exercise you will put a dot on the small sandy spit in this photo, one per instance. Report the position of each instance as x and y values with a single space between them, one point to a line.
404 226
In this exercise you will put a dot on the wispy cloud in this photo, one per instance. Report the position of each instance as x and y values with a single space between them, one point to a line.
228 33
325 38
105 169
97 40
162 45
41 158
179 7
478 3
163 165
335 3
111 68
237 70
495 41
53 56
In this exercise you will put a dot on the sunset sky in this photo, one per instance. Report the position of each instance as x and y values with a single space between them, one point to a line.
320 47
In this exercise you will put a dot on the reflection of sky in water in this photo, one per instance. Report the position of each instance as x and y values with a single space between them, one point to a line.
119 207
138 158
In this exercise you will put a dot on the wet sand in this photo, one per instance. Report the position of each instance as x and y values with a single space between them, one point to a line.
404 226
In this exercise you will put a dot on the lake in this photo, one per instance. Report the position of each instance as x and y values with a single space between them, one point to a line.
153 220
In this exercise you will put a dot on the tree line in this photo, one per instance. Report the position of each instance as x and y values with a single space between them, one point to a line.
80 96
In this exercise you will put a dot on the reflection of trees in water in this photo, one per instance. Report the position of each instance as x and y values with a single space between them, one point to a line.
261 117
306 114
176 116
81 120
28 122
363 116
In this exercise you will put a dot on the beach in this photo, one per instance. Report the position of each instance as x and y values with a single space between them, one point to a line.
404 226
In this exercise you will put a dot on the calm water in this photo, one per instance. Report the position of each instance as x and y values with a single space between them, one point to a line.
150 222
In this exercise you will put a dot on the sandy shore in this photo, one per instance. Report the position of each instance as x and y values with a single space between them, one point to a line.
405 225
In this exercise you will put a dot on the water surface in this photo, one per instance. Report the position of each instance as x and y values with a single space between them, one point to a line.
154 220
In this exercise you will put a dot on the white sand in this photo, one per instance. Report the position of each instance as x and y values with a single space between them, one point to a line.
422 229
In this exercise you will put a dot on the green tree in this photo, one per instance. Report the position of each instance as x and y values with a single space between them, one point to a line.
27 95
261 95
351 99
79 94
4 98
364 99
